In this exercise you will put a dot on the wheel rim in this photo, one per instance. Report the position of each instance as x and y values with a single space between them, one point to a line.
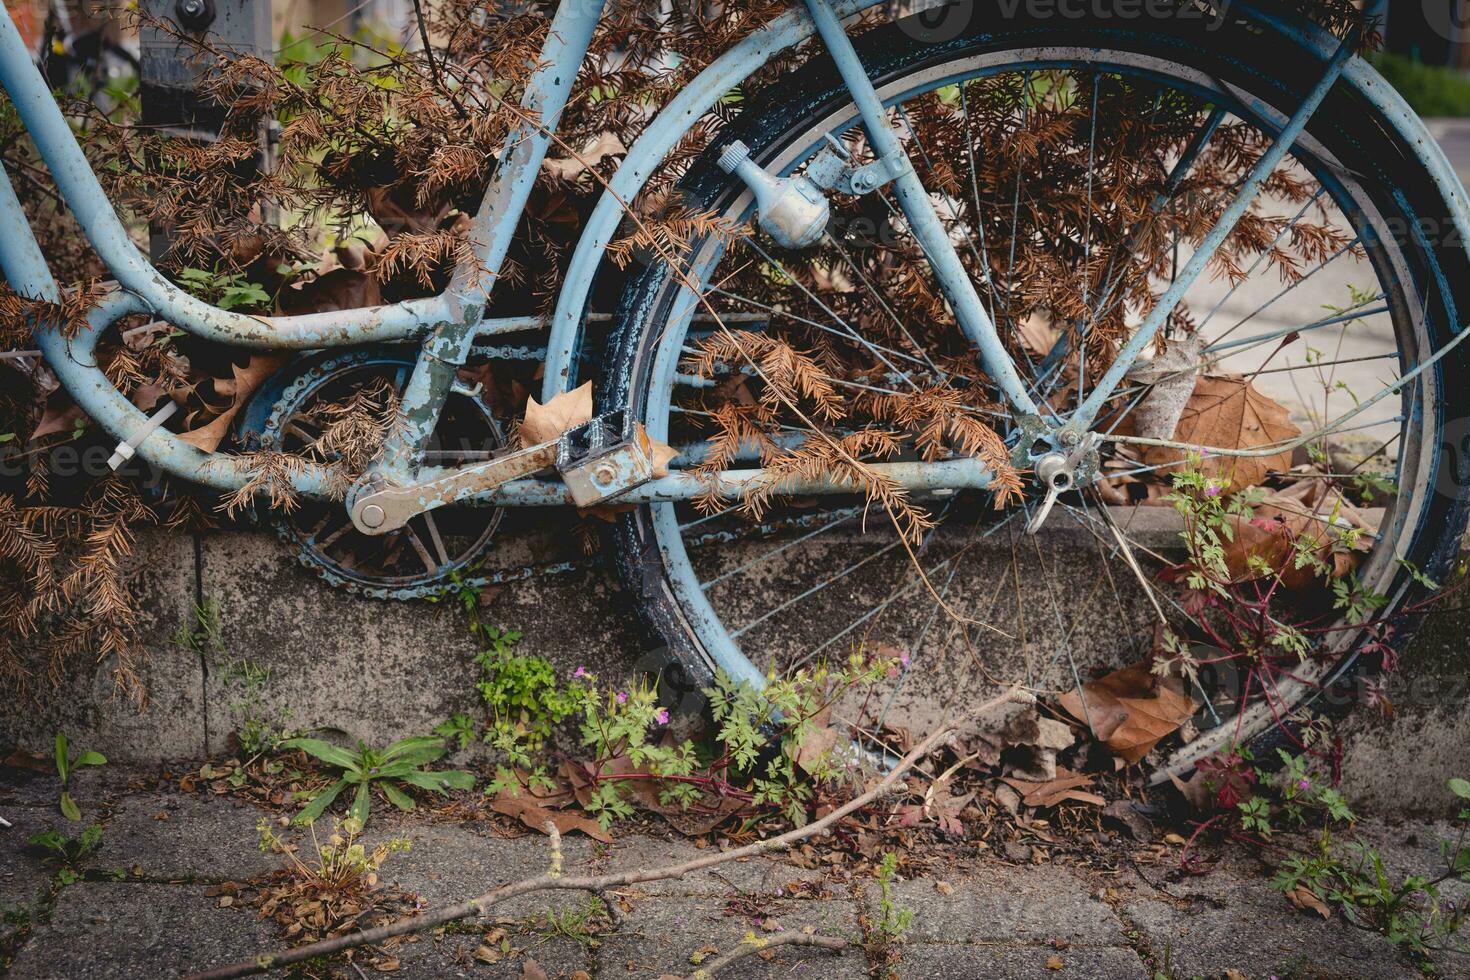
707 623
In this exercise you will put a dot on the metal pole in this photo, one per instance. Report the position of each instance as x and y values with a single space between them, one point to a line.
173 72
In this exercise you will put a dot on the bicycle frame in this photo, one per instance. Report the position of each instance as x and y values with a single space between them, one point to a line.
447 325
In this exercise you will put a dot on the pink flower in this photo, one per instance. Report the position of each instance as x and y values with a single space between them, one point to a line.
903 658
1304 785
580 672
662 717
622 698
1212 490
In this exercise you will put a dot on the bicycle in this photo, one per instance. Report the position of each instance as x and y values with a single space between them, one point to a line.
1301 115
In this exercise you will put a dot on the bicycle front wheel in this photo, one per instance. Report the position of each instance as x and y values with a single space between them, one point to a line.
1077 165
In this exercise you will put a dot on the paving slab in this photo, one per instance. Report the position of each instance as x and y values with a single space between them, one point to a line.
1231 918
991 904
130 930
453 956
25 874
962 962
181 835
663 933
449 863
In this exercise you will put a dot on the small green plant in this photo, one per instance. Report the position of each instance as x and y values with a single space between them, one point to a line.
68 850
66 766
207 633
390 770
1413 912
259 728
227 290
576 923
458 729
342 863
894 919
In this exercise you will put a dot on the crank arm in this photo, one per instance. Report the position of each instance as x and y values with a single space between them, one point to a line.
390 508
598 461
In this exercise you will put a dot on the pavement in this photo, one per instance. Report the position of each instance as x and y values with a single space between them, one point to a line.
149 903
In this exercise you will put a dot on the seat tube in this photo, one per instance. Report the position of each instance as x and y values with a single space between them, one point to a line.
914 200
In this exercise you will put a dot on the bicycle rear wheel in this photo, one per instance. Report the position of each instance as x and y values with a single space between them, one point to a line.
1076 165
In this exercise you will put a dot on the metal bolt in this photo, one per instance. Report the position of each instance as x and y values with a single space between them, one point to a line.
605 474
191 8
862 180
372 516
1070 438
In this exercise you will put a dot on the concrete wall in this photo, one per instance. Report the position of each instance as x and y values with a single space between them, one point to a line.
384 670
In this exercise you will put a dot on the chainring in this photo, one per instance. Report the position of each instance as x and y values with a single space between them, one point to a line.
435 552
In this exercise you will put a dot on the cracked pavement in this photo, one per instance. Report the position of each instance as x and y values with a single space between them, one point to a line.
145 907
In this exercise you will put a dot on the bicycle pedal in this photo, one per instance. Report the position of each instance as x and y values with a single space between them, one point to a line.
604 458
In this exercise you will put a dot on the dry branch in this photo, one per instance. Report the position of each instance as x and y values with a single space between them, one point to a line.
555 881
756 945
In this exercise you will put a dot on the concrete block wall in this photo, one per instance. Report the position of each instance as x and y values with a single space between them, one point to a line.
379 671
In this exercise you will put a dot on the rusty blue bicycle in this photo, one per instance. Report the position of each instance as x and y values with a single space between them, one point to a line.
923 327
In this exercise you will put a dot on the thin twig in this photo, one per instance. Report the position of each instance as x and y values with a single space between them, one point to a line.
757 944
599 883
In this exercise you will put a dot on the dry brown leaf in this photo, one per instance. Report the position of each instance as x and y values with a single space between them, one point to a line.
663 455
339 289
535 816
1055 963
60 416
1280 522
1227 412
1067 787
1130 710
594 153
814 748
1038 334
565 411
1306 900
238 389
531 970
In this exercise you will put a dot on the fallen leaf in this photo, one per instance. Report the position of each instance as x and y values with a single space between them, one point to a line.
535 816
60 416
339 289
1227 412
1055 963
1130 710
485 954
239 388
1171 375
594 153
1306 900
564 411
1037 333
1053 791
531 970
1286 522
663 455
812 751
944 888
